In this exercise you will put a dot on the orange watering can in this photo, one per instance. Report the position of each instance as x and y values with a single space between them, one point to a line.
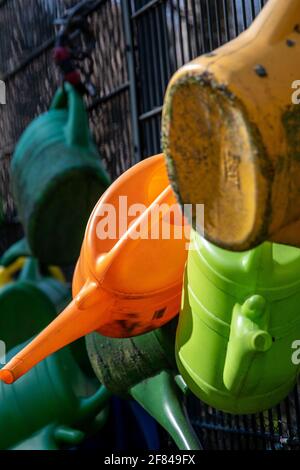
128 278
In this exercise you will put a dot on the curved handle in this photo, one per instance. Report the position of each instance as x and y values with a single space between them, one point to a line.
95 403
248 337
17 250
77 127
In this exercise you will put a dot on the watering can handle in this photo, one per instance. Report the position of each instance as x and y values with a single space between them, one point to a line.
248 337
77 127
17 250
95 403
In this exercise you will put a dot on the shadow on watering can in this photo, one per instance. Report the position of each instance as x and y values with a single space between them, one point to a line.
122 286
144 368
57 178
51 406
239 319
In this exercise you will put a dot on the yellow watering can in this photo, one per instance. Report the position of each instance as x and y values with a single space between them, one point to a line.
231 133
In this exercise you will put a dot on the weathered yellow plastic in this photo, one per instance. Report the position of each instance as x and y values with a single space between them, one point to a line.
231 133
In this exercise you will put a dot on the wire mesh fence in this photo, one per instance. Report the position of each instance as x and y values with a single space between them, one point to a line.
139 45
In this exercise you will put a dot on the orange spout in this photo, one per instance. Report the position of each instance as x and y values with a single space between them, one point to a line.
70 325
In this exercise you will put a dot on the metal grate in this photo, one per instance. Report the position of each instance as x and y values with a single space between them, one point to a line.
140 44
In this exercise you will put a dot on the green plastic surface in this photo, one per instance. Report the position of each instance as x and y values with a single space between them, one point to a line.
144 368
54 392
57 178
239 318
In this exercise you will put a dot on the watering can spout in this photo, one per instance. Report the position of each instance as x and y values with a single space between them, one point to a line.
77 320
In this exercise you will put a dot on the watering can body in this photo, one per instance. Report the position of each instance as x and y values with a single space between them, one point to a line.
56 393
144 282
239 320
126 282
231 133
57 178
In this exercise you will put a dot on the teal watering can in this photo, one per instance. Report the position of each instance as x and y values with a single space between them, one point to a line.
59 437
143 368
29 299
57 178
51 406
239 323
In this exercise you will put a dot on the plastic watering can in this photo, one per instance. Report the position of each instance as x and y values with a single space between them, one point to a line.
238 322
144 368
123 285
14 259
29 298
61 437
230 131
57 177
55 393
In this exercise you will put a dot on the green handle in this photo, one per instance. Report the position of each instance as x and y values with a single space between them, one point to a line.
30 271
95 403
68 435
17 250
248 337
77 127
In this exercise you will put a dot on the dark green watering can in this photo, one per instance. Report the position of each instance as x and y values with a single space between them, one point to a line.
57 177
29 300
50 406
59 437
239 324
144 368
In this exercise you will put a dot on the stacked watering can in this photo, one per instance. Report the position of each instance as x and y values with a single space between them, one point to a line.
231 140
231 330
57 177
104 282
238 324
239 315
60 397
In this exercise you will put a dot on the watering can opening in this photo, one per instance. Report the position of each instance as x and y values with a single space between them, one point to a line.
122 286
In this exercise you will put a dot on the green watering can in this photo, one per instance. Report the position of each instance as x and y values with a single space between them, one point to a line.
144 368
51 406
54 437
239 319
57 178
29 300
